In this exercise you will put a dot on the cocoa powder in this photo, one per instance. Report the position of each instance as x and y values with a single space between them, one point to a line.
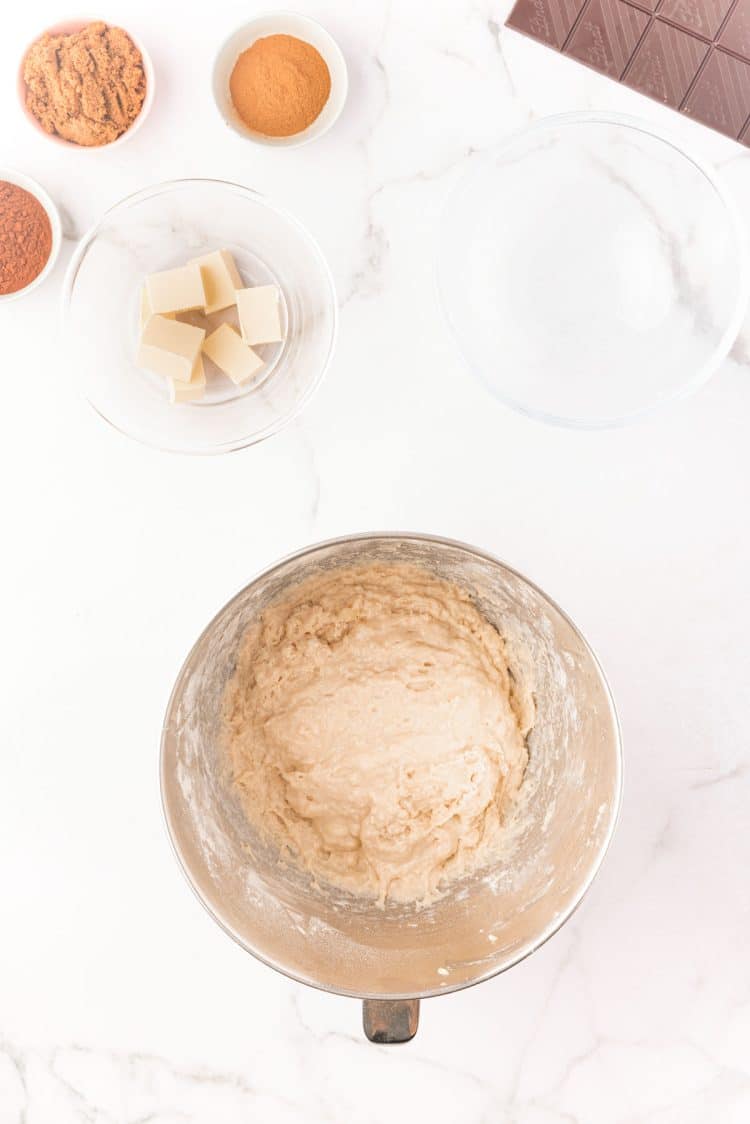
25 238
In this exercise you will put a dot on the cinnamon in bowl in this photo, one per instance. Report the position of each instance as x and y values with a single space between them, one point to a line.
280 85
280 80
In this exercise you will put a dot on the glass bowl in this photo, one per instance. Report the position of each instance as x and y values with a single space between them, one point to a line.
162 227
591 271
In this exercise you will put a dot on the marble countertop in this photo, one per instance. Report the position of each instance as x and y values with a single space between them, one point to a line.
120 1000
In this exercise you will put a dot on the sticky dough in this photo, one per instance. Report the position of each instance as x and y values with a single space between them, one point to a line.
376 733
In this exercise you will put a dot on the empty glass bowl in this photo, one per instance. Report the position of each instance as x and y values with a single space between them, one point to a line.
591 271
163 227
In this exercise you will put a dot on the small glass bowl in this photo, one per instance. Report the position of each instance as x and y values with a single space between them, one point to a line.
591 271
163 227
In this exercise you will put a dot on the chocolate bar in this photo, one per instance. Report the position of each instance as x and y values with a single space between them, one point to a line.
692 55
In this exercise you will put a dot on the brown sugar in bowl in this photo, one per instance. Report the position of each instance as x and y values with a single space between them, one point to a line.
71 27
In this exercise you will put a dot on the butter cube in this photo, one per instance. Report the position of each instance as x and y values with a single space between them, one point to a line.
170 348
176 290
146 311
231 355
221 279
260 314
189 391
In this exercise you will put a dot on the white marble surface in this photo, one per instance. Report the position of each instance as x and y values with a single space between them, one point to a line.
120 1000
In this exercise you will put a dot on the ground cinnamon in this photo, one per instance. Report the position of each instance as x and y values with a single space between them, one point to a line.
279 85
25 238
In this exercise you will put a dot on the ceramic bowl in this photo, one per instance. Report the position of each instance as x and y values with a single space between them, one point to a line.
281 23
53 214
70 27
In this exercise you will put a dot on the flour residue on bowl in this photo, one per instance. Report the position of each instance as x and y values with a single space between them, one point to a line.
376 732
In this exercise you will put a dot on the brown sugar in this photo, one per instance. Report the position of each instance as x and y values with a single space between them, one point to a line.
87 87
279 85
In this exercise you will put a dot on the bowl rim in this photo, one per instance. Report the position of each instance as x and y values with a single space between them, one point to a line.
555 924
70 27
21 179
308 135
739 238
164 187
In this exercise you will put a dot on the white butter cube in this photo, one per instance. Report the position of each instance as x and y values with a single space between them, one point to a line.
259 311
170 348
146 311
189 391
176 290
221 279
231 355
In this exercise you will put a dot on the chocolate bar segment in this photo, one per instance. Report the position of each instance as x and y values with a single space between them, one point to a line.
736 34
704 17
606 35
721 96
647 5
692 55
665 63
547 20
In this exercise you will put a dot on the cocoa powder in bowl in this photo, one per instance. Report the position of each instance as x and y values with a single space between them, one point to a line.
25 238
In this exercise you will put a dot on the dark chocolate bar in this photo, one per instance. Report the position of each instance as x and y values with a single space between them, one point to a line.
692 55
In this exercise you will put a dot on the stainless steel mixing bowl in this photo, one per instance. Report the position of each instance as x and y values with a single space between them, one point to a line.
394 956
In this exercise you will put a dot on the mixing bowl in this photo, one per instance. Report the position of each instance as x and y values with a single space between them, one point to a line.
590 271
165 226
393 956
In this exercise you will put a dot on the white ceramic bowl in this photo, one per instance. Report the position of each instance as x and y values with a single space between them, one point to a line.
35 189
70 27
281 23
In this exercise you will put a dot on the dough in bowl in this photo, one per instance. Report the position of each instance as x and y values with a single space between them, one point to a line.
376 732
